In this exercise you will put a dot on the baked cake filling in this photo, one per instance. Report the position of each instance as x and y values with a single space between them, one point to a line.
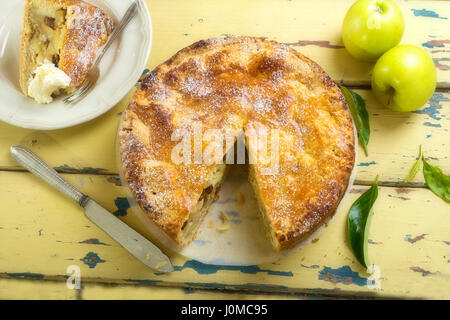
198 213
45 32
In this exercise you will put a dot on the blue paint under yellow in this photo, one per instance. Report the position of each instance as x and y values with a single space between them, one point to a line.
344 275
94 241
202 268
427 13
92 259
122 205
435 106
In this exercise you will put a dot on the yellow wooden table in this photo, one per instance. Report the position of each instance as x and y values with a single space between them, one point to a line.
42 232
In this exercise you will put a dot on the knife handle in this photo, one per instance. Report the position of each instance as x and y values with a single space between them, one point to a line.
35 165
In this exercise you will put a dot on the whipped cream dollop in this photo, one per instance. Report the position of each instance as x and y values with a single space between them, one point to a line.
47 80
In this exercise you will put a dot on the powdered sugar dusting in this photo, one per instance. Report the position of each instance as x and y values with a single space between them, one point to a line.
88 28
243 83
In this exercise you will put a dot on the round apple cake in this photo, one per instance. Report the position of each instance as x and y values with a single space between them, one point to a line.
232 86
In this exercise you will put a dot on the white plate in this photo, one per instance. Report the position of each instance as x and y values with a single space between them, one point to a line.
245 243
120 69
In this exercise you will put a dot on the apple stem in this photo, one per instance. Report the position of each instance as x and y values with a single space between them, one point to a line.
391 93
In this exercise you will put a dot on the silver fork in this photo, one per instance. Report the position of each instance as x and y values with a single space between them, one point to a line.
94 72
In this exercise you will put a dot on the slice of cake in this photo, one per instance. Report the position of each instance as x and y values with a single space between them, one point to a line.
60 39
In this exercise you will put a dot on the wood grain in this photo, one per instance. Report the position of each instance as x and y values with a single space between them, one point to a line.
46 233
16 289
43 232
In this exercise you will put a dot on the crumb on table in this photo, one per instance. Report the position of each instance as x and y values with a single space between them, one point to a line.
223 227
224 217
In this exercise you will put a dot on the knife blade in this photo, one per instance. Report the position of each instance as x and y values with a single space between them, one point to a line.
128 238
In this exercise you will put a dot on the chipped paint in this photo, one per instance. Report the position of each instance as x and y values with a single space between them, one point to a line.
420 270
322 44
398 197
85 170
314 266
202 268
435 43
409 238
439 51
427 13
373 242
366 164
92 259
441 66
114 180
429 124
435 106
26 275
344 275
246 286
144 282
94 241
122 205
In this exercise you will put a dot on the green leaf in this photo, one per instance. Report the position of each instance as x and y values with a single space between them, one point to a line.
416 167
357 107
359 221
438 182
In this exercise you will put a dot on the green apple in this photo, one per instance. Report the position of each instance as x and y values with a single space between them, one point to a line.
404 78
372 27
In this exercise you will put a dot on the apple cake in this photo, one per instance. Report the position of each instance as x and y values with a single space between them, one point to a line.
233 85
60 39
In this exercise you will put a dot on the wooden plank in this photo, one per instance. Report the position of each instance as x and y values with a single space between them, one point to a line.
312 28
393 147
135 292
15 289
45 233
18 289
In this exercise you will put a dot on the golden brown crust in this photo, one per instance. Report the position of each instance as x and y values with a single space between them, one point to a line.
87 29
232 84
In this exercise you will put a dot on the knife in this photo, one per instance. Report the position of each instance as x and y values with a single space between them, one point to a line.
128 238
